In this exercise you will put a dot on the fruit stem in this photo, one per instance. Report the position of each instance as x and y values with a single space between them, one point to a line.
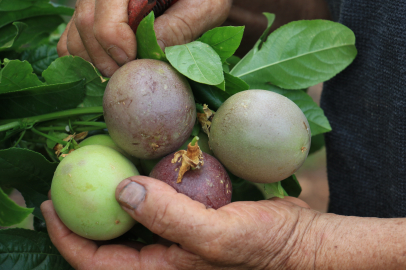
194 141
101 125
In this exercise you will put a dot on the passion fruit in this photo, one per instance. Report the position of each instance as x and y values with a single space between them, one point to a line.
149 108
83 192
260 136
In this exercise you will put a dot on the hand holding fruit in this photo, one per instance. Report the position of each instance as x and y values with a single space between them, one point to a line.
240 235
99 30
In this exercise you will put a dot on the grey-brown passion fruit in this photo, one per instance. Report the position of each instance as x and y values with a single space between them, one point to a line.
260 136
149 108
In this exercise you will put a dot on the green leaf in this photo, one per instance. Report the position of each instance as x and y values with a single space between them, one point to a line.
29 172
232 61
234 84
73 69
274 189
11 213
291 186
222 85
37 28
208 94
315 116
299 54
147 44
224 40
11 5
29 250
17 75
270 18
317 143
247 192
7 17
10 33
40 58
197 61
41 100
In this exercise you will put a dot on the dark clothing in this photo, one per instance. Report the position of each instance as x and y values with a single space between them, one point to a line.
366 106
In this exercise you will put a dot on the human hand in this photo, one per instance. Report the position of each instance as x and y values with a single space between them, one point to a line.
267 234
99 30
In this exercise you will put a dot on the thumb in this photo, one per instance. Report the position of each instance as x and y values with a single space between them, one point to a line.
169 214
186 20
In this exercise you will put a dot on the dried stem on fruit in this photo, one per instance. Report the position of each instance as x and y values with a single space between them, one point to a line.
191 159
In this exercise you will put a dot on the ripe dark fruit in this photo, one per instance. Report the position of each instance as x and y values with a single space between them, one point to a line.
260 136
149 108
209 184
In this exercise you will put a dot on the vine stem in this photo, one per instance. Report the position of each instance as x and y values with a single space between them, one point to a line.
9 126
12 123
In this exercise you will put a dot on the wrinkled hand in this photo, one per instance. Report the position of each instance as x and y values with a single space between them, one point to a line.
269 234
99 33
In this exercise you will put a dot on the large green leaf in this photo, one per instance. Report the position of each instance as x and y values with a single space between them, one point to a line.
11 213
197 61
299 54
234 84
11 5
17 75
41 100
37 28
7 17
314 114
10 33
29 172
208 94
40 58
22 249
72 69
147 44
224 40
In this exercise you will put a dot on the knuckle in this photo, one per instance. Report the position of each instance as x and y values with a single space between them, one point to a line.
61 48
161 221
84 19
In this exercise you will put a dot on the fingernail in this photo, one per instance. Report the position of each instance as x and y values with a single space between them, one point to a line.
132 195
118 55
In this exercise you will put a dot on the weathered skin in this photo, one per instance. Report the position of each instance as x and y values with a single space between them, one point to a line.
260 136
209 185
83 192
149 108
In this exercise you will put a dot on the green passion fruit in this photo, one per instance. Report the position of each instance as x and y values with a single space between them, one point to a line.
149 108
260 136
83 192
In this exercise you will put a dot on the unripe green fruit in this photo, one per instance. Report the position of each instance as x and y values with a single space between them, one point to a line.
106 140
83 192
260 136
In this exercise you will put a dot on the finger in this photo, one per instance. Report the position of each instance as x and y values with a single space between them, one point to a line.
293 200
74 43
82 253
61 47
68 243
84 19
172 215
112 31
186 20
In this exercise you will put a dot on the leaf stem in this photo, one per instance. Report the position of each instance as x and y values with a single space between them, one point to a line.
52 138
19 139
